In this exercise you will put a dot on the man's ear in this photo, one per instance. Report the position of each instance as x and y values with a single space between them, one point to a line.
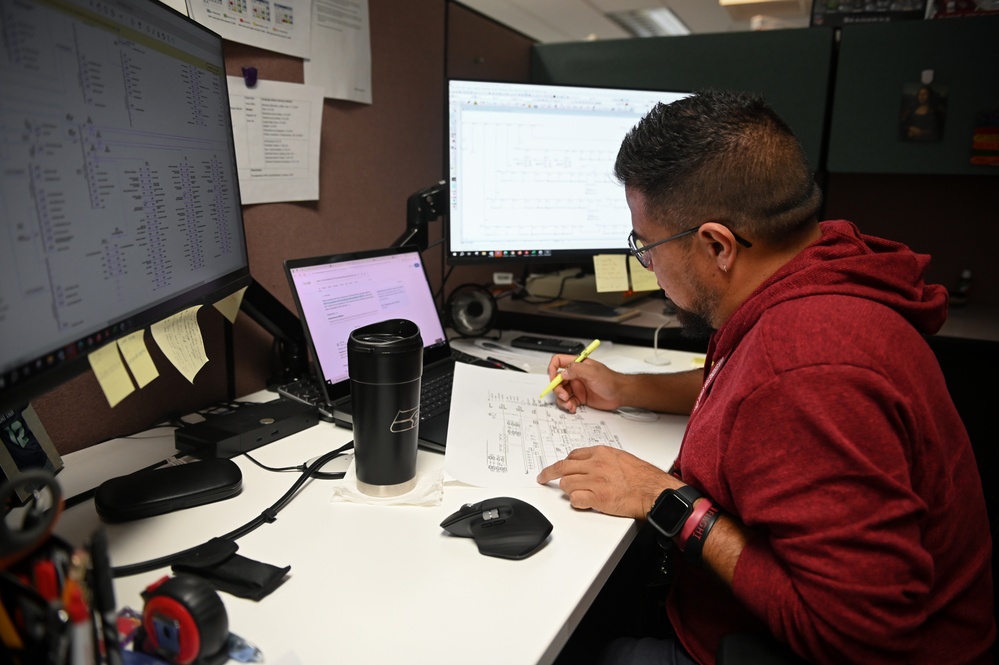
720 242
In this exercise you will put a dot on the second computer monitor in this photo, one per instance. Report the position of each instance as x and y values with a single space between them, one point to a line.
531 169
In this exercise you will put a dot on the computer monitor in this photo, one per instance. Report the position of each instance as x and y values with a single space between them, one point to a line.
119 195
531 169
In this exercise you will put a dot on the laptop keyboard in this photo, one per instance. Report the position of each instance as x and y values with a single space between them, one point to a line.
307 390
435 393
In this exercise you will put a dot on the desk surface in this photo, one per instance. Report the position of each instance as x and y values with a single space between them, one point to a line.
378 584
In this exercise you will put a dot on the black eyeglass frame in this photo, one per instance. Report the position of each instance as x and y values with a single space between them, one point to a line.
640 253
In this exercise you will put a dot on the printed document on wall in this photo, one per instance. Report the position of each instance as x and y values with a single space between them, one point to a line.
276 26
276 127
341 50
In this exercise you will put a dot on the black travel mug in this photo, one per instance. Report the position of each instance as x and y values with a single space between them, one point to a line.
385 364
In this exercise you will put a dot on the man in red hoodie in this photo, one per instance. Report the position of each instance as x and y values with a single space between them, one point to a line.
825 492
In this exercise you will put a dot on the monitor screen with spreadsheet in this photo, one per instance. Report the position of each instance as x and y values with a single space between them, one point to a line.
531 169
119 194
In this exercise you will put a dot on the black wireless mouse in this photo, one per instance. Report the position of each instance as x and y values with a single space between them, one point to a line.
502 526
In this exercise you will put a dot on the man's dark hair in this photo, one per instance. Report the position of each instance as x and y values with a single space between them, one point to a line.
720 156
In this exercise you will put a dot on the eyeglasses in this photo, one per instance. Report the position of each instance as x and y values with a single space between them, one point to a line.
641 251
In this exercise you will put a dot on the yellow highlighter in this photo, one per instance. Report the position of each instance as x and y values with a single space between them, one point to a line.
580 358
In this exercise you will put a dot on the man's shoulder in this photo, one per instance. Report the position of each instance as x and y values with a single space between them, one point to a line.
831 316
835 329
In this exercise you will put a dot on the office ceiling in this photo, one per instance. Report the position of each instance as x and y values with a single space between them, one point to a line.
576 20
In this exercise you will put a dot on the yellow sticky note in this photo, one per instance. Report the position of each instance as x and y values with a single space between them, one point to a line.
179 337
133 347
641 279
229 306
611 272
111 373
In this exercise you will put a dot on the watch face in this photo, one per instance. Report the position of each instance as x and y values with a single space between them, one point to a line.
670 512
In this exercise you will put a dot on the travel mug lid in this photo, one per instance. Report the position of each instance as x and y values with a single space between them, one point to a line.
385 352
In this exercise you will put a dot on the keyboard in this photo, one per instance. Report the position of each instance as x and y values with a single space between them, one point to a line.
435 392
435 395
308 390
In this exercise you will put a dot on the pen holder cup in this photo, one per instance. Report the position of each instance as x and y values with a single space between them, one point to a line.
385 364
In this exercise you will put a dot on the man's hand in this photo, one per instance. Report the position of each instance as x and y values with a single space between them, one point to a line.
609 480
589 382
597 386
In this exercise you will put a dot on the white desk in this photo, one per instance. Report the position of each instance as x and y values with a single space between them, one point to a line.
377 584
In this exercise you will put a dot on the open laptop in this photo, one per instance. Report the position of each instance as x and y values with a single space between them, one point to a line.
336 294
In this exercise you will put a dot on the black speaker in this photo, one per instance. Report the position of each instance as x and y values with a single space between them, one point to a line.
471 310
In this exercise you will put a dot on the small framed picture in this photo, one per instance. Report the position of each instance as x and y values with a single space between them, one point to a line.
26 445
923 113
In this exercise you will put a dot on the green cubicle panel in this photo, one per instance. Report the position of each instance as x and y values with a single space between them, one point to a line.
791 68
879 68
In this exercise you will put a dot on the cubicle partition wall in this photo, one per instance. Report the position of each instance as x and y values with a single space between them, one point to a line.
925 191
792 68
843 95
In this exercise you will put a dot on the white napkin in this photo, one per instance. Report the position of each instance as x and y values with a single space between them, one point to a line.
429 490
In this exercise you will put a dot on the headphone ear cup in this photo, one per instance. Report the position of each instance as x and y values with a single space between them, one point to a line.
38 519
471 310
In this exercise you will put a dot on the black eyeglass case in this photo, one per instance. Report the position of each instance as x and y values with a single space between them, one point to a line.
157 491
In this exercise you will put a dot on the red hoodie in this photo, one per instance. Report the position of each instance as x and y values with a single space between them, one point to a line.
826 427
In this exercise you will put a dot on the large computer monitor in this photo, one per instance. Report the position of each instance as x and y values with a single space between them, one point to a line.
531 169
119 195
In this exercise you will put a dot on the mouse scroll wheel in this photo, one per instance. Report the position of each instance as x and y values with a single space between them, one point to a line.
491 514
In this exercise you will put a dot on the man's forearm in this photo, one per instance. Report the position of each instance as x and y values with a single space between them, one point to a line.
674 392
723 547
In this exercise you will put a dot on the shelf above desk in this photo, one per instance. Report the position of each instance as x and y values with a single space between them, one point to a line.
640 330
964 322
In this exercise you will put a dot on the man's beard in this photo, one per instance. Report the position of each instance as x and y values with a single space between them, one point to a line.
693 326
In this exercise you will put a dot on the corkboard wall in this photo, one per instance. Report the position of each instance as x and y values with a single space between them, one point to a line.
480 49
373 157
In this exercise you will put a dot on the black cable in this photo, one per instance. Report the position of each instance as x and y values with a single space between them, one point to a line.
440 292
297 467
318 475
265 517
86 495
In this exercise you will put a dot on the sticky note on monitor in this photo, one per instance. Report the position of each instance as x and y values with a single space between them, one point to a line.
641 279
611 272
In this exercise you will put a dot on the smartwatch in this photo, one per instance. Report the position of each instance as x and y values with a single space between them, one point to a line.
672 509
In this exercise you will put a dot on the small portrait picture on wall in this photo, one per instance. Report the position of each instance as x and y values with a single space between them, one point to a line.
24 444
923 112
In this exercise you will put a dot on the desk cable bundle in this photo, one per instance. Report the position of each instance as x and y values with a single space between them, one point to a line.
266 517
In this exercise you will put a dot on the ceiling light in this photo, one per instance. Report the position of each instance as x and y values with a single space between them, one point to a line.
653 22
743 10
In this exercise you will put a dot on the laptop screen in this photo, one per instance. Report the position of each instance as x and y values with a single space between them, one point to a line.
340 293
